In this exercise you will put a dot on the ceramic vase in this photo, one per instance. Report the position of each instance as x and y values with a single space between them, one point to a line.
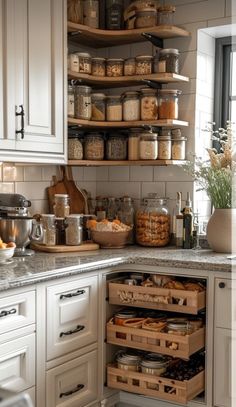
221 231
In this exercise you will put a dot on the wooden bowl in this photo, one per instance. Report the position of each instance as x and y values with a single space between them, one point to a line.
108 240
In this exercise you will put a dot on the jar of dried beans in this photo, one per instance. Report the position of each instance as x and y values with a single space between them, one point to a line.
149 109
98 106
114 108
131 106
83 102
94 146
99 66
75 148
168 103
168 61
143 64
116 147
115 67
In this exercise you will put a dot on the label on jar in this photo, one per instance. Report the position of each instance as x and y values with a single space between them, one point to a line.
162 66
71 105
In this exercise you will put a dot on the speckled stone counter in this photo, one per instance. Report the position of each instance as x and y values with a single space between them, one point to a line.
44 266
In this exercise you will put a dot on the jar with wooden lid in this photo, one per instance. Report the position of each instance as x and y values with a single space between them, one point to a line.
85 62
49 230
115 67
146 17
61 207
98 106
133 143
91 13
168 103
131 106
168 61
143 64
94 146
98 66
114 108
74 230
75 147
75 11
71 101
83 108
149 108
129 67
116 147
164 146
165 15
148 147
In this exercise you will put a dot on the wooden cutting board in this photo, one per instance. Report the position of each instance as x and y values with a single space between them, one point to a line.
85 247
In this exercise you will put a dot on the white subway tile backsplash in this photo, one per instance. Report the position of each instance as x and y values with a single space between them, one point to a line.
33 173
78 173
48 171
119 189
153 187
118 173
141 173
171 173
12 173
39 206
7 187
102 173
173 187
32 190
199 11
90 173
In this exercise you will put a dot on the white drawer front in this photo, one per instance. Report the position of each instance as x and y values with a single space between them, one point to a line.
225 303
17 363
17 311
72 311
73 384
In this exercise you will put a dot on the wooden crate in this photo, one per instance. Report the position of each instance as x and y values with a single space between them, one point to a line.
190 302
166 389
158 342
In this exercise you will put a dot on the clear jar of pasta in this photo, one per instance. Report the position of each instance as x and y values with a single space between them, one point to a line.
115 67
143 64
99 66
149 106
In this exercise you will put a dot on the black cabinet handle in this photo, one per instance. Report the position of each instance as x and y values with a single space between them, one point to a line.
22 114
5 313
70 295
68 393
221 284
72 331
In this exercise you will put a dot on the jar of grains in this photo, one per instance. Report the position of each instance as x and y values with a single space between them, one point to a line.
129 67
168 103
114 108
165 15
85 62
169 61
153 222
116 147
133 143
115 67
147 17
143 64
148 146
73 62
98 106
99 66
131 106
75 11
61 207
149 108
91 13
74 230
49 230
164 147
71 102
94 146
178 149
75 148
83 108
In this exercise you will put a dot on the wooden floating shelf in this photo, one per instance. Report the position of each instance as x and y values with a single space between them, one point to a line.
107 163
90 124
94 37
123 81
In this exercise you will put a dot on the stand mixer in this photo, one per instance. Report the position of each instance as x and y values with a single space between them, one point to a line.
16 225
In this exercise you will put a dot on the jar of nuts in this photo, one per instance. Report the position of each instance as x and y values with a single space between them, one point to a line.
143 64
115 67
153 222
99 66
149 109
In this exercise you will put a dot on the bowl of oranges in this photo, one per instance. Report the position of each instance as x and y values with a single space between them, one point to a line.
6 251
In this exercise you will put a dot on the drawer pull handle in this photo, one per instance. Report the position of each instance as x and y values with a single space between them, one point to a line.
5 313
221 284
70 295
73 331
68 393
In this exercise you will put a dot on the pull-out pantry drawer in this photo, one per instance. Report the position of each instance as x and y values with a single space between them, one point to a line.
73 384
72 313
17 363
17 311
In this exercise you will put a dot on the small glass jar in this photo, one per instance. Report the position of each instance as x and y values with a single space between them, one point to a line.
149 107
126 216
74 230
71 102
61 207
178 149
94 147
128 363
155 365
111 208
114 109
98 107
153 222
73 62
114 14
143 64
75 148
129 67
85 62
75 11
83 108
168 61
133 144
60 231
165 15
99 66
147 17
116 147
49 230
100 208
168 103
148 147
91 13
131 106
179 326
164 147
115 67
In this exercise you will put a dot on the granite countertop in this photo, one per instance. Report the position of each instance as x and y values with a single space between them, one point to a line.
44 266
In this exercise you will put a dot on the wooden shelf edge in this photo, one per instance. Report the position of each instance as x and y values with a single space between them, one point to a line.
107 163
123 124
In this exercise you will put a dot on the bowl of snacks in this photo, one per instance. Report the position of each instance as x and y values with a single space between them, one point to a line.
6 251
109 234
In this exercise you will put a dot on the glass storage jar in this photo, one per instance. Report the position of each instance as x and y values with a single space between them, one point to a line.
91 13
121 317
126 216
155 365
133 143
168 61
179 326
60 231
61 207
116 147
147 17
128 362
75 148
165 15
98 107
149 107
73 62
129 67
49 230
148 146
85 62
114 108
178 148
75 11
114 14
99 66
83 108
164 147
131 106
94 146
74 230
153 222
168 103
111 208
115 67
143 64
71 102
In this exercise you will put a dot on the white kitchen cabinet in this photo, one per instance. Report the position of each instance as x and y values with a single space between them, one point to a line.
33 74
225 303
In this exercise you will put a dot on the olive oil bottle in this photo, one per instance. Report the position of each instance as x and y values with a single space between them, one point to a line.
188 224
